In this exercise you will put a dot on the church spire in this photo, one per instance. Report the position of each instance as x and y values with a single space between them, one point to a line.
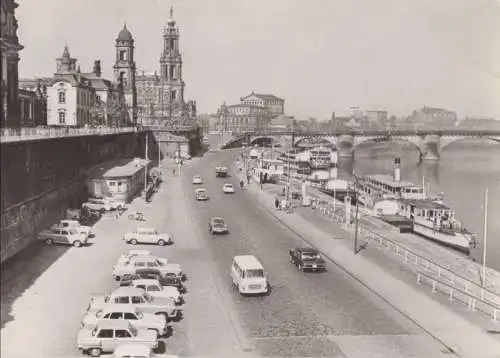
171 21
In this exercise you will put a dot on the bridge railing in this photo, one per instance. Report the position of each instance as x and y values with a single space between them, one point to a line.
411 258
38 133
472 302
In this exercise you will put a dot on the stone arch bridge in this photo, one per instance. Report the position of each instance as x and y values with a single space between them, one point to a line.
429 143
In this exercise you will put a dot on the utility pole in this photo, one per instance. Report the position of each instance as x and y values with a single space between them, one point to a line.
356 188
146 165
485 237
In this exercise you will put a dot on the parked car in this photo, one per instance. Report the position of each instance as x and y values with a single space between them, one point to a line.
129 313
140 299
155 289
168 280
99 205
147 236
131 350
153 262
64 236
307 259
197 179
109 334
228 189
216 225
131 253
201 194
75 225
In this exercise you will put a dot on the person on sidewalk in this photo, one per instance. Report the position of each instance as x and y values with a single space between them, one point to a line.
276 203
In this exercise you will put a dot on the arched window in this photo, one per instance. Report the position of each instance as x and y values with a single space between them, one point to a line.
173 95
123 55
62 96
62 117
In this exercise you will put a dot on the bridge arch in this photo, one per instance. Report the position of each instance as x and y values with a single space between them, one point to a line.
448 140
413 141
317 141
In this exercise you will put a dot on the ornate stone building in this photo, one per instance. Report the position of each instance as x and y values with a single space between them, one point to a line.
10 47
160 97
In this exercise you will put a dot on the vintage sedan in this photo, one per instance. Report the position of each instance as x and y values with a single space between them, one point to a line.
307 259
155 289
228 189
197 179
201 194
168 280
109 334
139 262
216 225
64 236
130 313
221 171
137 351
75 224
132 253
147 236
139 298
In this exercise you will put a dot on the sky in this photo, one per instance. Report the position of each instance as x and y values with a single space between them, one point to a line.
321 56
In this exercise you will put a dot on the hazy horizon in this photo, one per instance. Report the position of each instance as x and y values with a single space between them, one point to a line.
321 57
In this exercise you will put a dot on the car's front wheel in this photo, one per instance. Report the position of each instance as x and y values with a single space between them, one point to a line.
161 242
49 241
77 243
94 352
133 242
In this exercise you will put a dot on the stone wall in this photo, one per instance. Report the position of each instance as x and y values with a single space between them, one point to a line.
41 179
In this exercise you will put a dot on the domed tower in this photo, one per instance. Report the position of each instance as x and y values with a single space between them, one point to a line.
171 64
124 70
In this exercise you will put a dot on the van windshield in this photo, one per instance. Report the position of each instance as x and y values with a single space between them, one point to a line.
253 273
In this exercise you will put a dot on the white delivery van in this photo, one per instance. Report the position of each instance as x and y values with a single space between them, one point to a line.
248 275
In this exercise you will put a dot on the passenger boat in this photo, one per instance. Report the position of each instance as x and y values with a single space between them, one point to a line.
431 217
322 157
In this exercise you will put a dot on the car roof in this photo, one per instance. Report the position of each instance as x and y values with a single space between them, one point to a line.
146 281
113 324
248 262
127 291
145 229
143 258
216 218
228 184
307 249
118 307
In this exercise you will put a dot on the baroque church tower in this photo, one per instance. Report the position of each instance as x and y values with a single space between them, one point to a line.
124 70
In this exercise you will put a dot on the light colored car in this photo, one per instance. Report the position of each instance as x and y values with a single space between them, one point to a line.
131 350
147 236
75 225
132 253
109 334
95 204
197 179
152 262
228 188
139 298
155 289
63 236
130 313
201 194
216 225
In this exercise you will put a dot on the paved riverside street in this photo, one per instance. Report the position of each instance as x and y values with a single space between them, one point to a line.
455 332
324 315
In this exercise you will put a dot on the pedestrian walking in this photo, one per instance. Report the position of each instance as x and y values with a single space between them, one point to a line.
276 203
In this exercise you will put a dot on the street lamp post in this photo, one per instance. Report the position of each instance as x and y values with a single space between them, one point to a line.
485 236
356 224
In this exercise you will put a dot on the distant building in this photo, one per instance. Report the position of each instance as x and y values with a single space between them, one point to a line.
33 107
480 123
10 48
275 105
283 123
376 116
434 116
160 97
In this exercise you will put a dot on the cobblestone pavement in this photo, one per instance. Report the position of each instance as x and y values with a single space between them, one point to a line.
46 293
324 314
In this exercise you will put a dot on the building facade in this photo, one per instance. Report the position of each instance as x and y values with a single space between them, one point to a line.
160 96
240 118
434 116
10 48
275 105
33 107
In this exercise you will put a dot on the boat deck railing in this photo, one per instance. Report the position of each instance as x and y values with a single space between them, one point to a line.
416 261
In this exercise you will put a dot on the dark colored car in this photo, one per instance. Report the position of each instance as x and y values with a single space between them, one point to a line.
216 225
307 259
221 172
147 273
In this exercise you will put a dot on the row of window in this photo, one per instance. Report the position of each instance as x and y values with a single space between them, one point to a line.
84 97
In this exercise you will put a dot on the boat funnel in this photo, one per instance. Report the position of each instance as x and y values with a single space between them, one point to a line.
333 173
397 169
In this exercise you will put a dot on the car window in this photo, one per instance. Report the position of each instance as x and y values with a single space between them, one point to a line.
122 333
105 333
141 286
153 288
152 264
105 316
140 264
116 315
137 299
130 315
122 299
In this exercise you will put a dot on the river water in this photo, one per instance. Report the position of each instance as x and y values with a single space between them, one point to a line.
463 173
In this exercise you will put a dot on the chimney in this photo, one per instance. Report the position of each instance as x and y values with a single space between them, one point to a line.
397 169
97 68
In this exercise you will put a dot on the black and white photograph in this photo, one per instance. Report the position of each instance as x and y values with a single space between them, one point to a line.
250 178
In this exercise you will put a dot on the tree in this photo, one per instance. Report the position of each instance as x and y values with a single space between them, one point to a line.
97 114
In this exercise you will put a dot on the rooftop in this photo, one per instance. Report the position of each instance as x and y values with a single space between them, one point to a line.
248 262
425 204
389 180
117 168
